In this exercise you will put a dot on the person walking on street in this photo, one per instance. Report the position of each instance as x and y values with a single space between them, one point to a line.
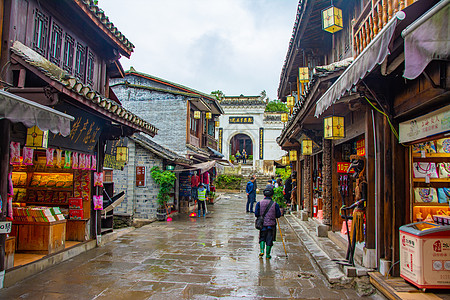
201 199
244 156
271 211
251 193
195 180
288 188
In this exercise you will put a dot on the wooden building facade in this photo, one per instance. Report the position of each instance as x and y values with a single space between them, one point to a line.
360 73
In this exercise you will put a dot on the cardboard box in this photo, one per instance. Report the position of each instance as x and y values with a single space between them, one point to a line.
76 214
75 203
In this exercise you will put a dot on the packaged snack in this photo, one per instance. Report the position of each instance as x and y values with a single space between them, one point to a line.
32 196
10 185
59 161
67 155
98 179
82 161
40 196
76 214
75 161
23 179
35 180
62 197
49 156
75 203
98 202
94 162
48 196
14 153
28 156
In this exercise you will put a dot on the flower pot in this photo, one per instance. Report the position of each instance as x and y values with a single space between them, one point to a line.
161 214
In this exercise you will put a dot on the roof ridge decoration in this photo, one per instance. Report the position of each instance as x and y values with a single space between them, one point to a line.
55 73
132 70
98 13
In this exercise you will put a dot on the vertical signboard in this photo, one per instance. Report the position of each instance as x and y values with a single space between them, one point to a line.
140 176
220 139
261 143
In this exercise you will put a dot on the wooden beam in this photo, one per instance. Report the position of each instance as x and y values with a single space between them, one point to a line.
370 176
5 133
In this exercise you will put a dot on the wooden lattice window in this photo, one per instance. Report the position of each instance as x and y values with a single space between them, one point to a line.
56 44
69 50
80 62
40 39
90 68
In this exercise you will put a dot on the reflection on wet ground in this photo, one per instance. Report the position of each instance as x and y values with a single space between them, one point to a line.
188 258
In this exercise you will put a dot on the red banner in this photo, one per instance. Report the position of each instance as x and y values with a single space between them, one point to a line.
361 147
342 167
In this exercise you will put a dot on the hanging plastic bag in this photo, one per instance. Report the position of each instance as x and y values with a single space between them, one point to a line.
98 202
49 156
14 153
28 156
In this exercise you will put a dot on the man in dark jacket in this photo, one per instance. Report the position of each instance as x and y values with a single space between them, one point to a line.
288 187
251 193
267 233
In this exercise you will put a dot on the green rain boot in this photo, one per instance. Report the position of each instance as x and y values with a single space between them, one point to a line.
261 247
268 249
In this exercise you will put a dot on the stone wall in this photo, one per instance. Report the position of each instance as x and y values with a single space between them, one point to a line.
140 202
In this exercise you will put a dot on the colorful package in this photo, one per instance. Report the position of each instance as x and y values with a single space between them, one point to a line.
10 208
49 155
427 147
82 161
94 162
75 161
10 186
98 202
14 153
28 156
67 155
443 145
58 162
98 179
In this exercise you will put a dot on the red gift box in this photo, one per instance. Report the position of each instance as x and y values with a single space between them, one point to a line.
76 214
75 203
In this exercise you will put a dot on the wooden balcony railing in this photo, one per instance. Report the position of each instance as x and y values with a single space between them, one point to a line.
373 18
209 141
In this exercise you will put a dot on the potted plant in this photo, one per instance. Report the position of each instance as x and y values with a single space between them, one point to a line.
211 197
278 197
166 182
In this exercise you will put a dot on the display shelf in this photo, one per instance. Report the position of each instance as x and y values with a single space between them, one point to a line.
51 189
417 204
42 203
431 155
432 179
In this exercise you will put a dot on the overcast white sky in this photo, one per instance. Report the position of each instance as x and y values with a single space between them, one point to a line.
236 46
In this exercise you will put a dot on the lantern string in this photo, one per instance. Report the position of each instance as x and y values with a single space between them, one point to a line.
389 121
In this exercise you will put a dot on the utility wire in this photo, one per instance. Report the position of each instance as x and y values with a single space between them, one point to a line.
389 121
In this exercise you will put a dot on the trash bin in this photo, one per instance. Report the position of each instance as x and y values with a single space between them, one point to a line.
425 255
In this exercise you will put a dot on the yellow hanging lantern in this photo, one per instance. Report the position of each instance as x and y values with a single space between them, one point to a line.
333 127
290 101
285 160
217 123
307 147
332 19
196 114
122 154
37 138
208 115
303 74
284 117
293 155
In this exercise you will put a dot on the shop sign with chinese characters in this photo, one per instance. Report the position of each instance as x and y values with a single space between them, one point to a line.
241 120
5 227
426 125
140 176
342 167
361 147
219 145
261 143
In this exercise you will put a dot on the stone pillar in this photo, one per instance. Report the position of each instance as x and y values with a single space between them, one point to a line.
307 181
327 182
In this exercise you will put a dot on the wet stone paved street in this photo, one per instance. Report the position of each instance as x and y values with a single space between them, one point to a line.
189 258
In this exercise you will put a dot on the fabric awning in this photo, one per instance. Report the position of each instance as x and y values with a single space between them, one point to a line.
20 110
427 39
215 152
375 53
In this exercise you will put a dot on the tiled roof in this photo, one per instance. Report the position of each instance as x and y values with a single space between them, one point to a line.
70 82
242 101
159 150
98 13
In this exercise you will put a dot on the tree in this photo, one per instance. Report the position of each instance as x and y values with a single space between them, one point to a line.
218 94
276 106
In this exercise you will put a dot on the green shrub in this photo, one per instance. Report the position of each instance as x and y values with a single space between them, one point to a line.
232 158
166 182
229 182
278 196
284 172
250 157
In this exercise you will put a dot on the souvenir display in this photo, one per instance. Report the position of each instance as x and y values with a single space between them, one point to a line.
10 185
67 155
98 202
424 169
443 145
427 147
14 153
444 170
82 161
425 195
94 162
49 156
28 156
444 195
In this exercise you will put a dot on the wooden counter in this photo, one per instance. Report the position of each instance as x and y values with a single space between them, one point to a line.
40 237
76 230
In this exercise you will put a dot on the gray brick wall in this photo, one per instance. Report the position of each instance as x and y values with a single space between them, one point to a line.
139 201
164 110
